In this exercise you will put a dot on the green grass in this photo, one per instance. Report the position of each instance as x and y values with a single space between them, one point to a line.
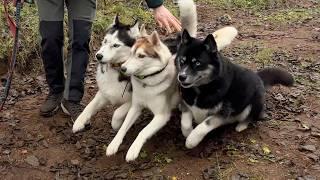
293 15
248 4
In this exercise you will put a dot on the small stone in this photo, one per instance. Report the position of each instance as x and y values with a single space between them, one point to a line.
239 176
32 160
122 175
313 157
310 148
42 161
308 177
315 134
316 167
45 144
75 162
78 145
210 173
6 152
146 174
24 151
87 150
110 175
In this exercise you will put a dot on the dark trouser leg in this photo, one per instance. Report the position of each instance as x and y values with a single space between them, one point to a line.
52 43
51 31
81 14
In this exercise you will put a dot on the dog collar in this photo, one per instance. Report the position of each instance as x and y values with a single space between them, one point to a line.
152 74
115 65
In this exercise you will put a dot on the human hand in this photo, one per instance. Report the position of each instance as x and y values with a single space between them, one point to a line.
166 20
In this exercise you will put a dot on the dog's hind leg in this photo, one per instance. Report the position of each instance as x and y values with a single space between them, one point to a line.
131 117
119 115
91 109
158 121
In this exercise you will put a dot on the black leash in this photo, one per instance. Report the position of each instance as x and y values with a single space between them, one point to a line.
12 64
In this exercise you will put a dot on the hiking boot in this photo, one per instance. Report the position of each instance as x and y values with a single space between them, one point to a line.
51 104
73 109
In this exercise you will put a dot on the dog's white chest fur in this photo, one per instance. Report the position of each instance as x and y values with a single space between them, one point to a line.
109 85
200 115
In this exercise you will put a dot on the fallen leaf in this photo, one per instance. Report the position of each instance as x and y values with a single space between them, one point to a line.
168 160
253 160
143 154
253 141
174 178
266 150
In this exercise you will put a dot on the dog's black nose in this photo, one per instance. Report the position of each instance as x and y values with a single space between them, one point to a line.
123 69
99 57
182 77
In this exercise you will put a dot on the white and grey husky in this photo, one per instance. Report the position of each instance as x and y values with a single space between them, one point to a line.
154 83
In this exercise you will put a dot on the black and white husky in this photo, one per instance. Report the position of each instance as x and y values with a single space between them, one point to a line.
216 92
114 51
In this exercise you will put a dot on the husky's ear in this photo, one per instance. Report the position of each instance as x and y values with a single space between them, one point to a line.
143 31
154 38
210 44
185 37
116 20
134 29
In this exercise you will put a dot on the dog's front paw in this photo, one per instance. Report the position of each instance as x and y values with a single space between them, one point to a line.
78 125
242 126
192 140
133 151
113 147
186 131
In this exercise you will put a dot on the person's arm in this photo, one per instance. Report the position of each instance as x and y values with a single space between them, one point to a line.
163 16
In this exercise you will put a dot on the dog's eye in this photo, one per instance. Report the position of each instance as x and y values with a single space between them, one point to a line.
141 56
198 63
116 45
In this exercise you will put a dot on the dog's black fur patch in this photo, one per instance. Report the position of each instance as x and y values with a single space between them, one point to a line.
122 29
230 84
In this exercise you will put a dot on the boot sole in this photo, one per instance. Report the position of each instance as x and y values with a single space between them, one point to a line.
50 113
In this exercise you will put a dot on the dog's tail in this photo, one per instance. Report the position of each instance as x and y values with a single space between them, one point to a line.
188 16
224 36
273 76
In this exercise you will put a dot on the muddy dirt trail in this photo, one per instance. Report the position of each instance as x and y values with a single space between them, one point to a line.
285 146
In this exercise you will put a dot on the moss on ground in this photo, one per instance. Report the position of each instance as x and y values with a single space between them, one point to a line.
288 16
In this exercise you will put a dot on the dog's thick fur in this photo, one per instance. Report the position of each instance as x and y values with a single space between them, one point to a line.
111 83
216 92
154 87
154 83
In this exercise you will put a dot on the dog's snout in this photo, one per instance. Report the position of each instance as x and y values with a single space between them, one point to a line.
182 77
99 57
123 69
